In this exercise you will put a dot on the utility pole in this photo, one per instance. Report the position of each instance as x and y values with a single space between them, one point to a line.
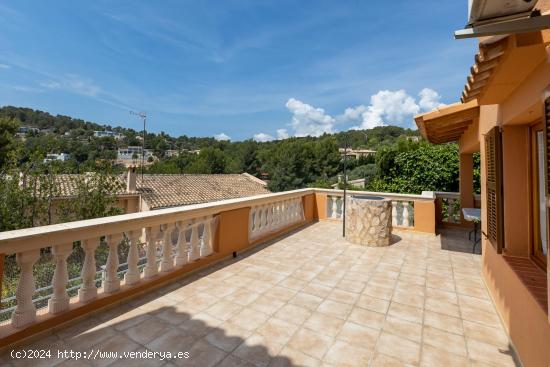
346 143
143 116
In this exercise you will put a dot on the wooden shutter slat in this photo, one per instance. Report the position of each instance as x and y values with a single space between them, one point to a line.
494 204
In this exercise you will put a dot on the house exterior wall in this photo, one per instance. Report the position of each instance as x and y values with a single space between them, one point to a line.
525 320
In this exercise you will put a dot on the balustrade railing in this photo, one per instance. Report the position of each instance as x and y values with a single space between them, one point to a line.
55 269
402 206
272 217
449 207
165 247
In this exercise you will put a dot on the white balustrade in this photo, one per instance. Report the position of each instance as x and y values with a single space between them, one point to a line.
25 311
163 254
167 262
151 268
59 301
182 247
88 291
394 213
274 216
111 283
132 276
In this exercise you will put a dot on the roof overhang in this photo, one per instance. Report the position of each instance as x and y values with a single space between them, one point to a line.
496 17
502 64
447 124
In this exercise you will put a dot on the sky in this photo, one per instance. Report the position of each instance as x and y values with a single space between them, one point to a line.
234 69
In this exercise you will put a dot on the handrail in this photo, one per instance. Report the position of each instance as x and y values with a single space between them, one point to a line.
425 196
54 234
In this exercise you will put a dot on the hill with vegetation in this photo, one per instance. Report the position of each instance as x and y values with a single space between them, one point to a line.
401 164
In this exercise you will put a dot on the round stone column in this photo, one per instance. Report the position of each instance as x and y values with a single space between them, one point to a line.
368 220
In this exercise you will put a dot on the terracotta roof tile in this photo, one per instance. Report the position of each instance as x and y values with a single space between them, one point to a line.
161 191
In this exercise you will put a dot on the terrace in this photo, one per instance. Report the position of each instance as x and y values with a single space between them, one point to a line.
260 281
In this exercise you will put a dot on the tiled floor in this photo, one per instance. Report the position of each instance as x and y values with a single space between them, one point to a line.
310 299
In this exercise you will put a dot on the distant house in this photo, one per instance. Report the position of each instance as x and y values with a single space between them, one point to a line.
134 155
108 134
56 157
24 130
356 153
171 153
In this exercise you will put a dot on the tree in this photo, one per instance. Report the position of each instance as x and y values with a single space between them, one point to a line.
417 168
210 160
8 143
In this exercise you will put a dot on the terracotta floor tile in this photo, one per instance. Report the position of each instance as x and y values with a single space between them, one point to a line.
367 318
324 324
289 357
306 300
432 356
406 312
249 319
277 330
342 296
227 336
258 350
403 328
403 349
347 355
293 313
311 343
266 304
333 308
358 334
443 322
488 353
444 341
202 354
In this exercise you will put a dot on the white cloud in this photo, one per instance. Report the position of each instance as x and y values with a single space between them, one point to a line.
4 66
222 137
392 107
74 83
282 134
262 137
308 120
429 99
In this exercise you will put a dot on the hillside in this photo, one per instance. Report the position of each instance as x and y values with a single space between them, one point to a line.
289 163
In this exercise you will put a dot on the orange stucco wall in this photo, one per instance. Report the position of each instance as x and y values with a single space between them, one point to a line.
233 231
525 321
516 172
321 205
425 216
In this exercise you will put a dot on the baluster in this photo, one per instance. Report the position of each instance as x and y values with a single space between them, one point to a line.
451 210
206 248
258 221
111 283
300 210
287 211
265 224
88 291
334 207
194 246
394 213
132 275
269 216
182 247
25 312
405 213
167 262
59 301
151 268
251 222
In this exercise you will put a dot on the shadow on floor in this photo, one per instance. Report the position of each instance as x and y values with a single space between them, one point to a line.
456 239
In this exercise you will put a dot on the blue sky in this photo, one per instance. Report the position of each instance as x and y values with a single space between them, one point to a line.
262 69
